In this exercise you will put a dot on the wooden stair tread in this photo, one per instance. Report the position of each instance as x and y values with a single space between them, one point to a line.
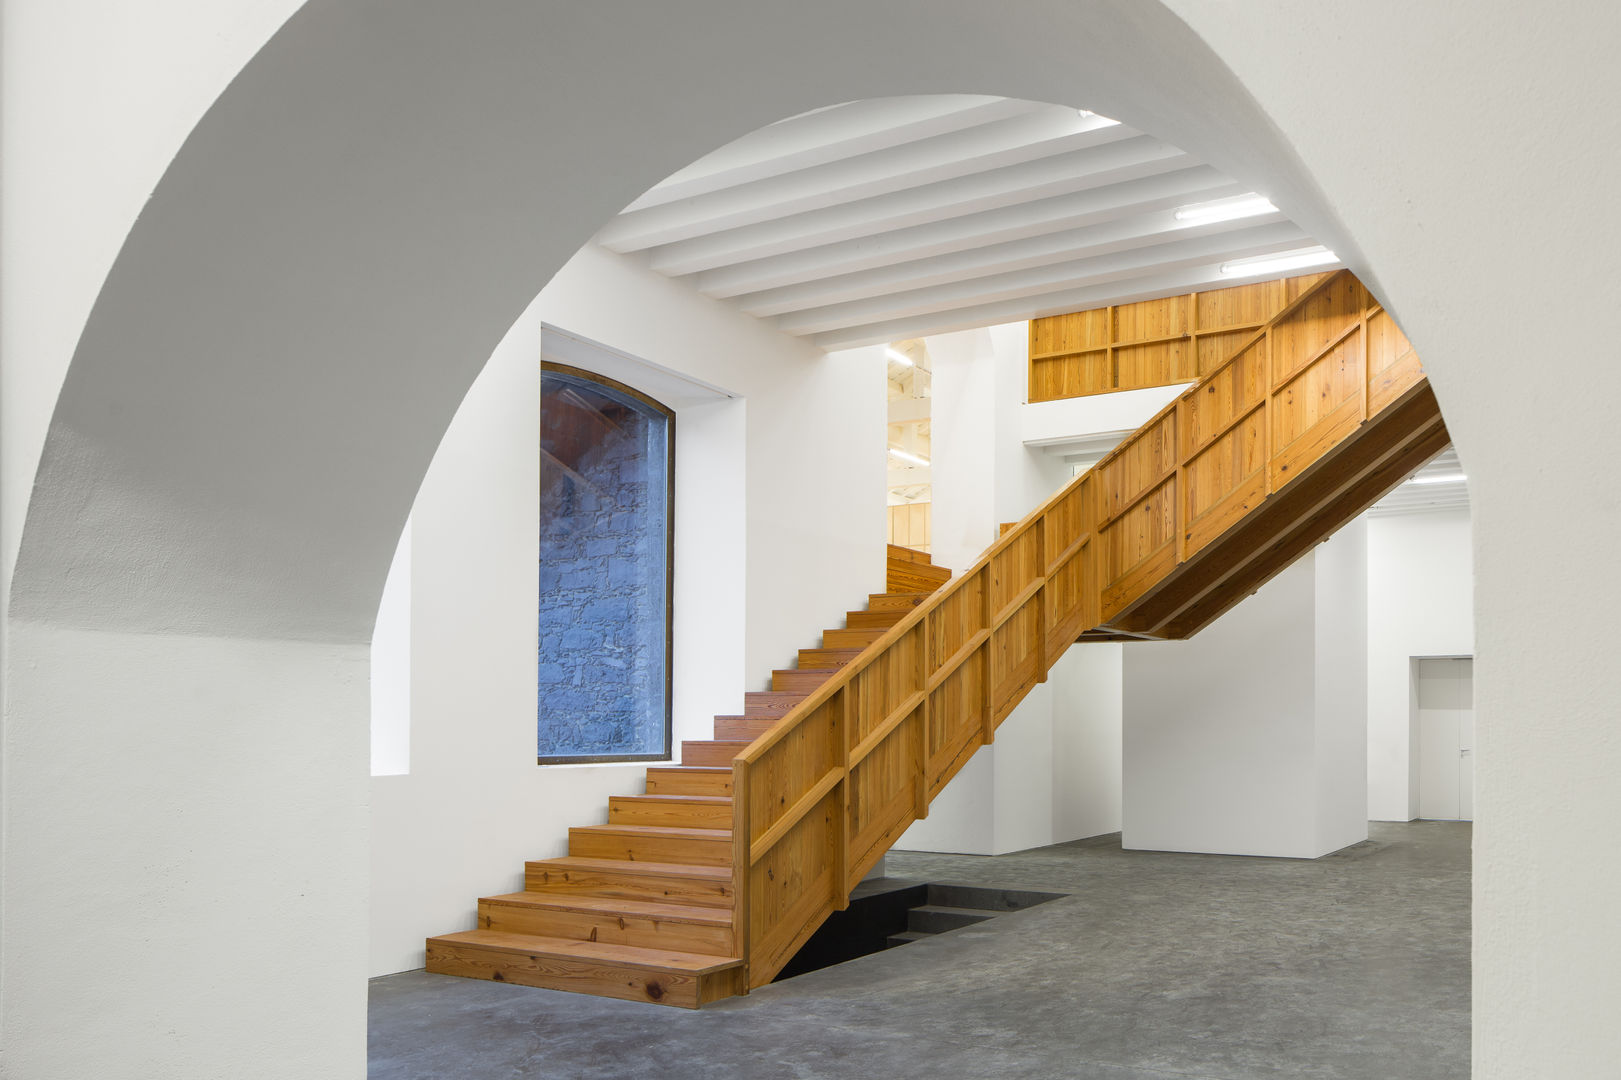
693 800
592 864
656 830
606 905
630 956
715 770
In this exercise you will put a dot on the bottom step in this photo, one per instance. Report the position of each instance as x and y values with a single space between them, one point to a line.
905 937
686 980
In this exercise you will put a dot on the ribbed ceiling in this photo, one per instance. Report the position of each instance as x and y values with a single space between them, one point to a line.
880 220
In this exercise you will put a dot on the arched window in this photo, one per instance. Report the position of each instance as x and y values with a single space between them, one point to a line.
606 502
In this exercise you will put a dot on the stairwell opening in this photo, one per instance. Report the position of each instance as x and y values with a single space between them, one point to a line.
886 913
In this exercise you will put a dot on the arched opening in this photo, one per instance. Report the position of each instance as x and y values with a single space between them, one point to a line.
166 547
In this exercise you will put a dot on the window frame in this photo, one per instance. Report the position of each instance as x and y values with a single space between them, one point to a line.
669 415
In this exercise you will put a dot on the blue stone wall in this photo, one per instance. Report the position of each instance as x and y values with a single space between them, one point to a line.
603 582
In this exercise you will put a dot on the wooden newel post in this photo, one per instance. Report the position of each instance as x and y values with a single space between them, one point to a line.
741 865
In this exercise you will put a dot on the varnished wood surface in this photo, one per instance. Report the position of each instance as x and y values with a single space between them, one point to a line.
1315 409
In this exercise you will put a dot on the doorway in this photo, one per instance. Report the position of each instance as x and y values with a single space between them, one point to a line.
1444 728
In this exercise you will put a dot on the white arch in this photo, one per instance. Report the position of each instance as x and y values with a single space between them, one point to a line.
339 245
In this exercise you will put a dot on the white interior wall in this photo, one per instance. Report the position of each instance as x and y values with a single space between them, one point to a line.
1249 738
391 668
475 805
1053 773
1420 603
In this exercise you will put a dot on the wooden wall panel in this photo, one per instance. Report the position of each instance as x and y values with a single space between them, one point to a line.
956 712
1227 394
883 786
1316 407
1014 569
1317 324
1151 342
909 526
1140 463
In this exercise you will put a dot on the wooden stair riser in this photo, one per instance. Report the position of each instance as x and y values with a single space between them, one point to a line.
685 812
583 975
896 601
849 639
633 930
909 555
796 681
641 843
743 728
872 620
826 658
770 703
629 884
711 752
688 780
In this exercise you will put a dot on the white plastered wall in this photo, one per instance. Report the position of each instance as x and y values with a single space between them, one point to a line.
1420 603
1249 738
474 798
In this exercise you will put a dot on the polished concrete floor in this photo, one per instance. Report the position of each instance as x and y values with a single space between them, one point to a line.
1155 967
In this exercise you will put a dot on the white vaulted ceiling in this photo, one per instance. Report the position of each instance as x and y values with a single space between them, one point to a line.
880 220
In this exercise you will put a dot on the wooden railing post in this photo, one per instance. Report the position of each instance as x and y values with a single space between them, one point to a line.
841 827
1040 529
925 713
742 865
987 688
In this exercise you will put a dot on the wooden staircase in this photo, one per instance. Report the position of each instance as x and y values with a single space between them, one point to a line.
643 906
710 882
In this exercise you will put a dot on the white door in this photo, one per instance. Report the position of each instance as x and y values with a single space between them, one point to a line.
1446 738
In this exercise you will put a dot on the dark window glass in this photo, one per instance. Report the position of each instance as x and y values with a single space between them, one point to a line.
605 494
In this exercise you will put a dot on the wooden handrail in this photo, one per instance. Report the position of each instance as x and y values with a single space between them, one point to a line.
871 744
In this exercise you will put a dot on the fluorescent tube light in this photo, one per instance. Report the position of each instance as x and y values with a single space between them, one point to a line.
1450 478
900 357
1225 210
1273 264
913 458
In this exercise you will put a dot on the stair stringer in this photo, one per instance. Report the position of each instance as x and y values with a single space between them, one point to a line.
1319 414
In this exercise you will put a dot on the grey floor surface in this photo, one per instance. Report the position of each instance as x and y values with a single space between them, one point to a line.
1156 967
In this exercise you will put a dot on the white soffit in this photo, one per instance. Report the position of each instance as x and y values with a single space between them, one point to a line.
1438 485
876 221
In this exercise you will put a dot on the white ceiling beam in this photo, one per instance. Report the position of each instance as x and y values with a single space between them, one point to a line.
1160 228
995 145
1177 187
1153 285
1129 159
831 134
1236 243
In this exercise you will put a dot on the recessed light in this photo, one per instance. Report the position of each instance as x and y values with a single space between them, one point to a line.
913 458
1450 478
1225 210
900 357
1272 264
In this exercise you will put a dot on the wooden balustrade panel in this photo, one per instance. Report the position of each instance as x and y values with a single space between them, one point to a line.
793 766
1151 342
1016 658
1138 465
884 794
1139 547
1393 366
1015 569
1231 391
1067 519
1319 405
1323 319
1068 603
1224 481
956 719
885 684
957 618
791 889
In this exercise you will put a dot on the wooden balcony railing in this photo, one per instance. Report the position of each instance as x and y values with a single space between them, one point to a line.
820 797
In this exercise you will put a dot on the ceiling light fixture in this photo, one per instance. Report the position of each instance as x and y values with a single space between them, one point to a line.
1102 121
1251 205
900 357
904 456
1271 264
1450 478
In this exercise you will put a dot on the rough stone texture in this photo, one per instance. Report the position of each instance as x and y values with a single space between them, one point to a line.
1156 967
603 599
